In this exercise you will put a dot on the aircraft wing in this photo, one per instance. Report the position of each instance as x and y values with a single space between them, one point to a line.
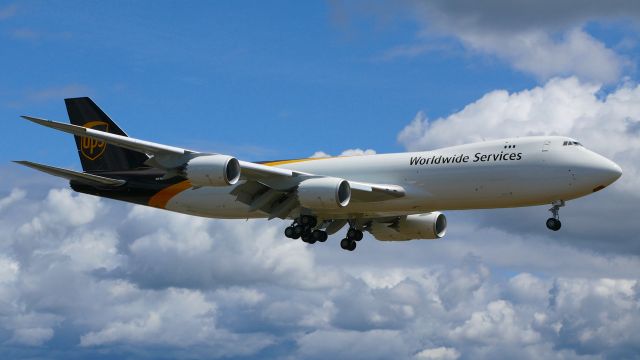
268 188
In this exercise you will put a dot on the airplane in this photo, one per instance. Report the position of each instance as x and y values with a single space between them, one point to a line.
395 197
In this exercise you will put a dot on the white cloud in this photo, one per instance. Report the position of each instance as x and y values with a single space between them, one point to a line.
358 152
542 38
183 310
9 270
188 251
439 353
525 287
15 195
544 55
607 125
499 323
338 344
348 152
31 336
320 154
61 209
145 290
92 250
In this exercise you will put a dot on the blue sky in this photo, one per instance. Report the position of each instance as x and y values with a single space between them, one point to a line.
86 277
290 73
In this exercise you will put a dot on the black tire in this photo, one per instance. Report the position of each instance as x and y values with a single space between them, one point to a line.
325 236
345 244
318 235
352 233
289 232
298 230
359 235
308 238
553 224
353 246
559 225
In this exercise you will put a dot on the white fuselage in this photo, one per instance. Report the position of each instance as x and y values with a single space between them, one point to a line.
493 174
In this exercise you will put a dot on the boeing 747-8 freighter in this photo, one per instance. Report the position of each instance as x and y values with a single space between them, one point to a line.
392 196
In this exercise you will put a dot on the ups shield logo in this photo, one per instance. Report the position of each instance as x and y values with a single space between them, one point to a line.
93 148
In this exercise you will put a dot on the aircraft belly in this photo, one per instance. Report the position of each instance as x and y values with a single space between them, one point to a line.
211 201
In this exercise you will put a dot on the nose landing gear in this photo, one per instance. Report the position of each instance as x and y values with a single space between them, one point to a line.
553 223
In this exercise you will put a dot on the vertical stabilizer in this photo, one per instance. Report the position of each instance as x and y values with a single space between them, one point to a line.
96 155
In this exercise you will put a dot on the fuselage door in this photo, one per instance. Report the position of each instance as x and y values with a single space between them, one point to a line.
546 145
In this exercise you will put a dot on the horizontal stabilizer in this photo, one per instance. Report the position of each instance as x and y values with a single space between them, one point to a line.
73 175
118 140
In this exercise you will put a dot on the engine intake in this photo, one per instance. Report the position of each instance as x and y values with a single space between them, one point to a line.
324 193
432 225
212 170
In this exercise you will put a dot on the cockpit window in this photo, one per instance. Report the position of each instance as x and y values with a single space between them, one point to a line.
571 143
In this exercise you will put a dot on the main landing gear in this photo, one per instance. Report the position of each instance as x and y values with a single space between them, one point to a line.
553 223
303 228
353 235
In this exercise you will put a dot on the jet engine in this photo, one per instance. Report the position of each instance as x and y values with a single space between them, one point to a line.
432 225
212 170
324 193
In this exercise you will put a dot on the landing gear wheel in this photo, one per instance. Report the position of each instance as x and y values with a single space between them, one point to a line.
553 224
308 238
348 244
289 232
297 231
319 235
353 246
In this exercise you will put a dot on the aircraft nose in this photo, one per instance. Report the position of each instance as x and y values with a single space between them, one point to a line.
611 170
607 171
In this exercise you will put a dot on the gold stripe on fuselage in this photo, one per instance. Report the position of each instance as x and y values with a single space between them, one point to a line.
293 161
163 196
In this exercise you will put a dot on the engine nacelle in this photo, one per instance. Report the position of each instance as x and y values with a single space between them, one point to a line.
324 193
212 170
412 227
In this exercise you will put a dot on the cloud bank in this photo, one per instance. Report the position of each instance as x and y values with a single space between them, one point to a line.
80 275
